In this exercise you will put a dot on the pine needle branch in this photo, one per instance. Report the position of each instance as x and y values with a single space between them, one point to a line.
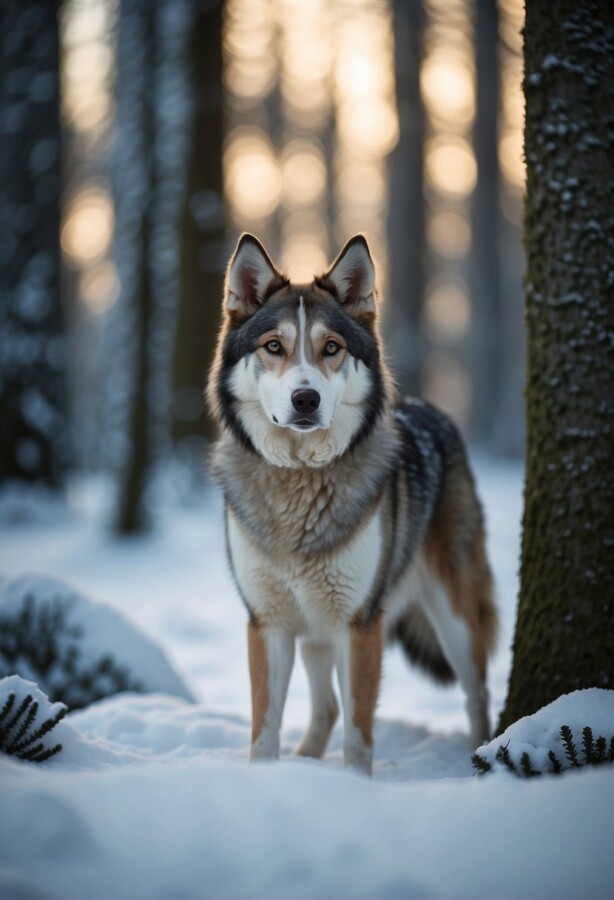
503 756
555 766
527 769
480 764
570 748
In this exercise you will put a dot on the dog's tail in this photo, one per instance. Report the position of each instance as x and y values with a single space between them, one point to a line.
415 634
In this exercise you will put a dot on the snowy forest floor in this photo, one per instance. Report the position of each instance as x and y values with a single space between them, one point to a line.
165 805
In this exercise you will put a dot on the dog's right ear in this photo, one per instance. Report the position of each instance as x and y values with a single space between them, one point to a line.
248 278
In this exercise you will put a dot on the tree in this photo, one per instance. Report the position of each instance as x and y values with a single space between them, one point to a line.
565 626
150 181
33 433
134 189
203 247
406 231
486 339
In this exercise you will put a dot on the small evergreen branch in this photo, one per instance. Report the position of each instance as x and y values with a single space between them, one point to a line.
40 639
6 709
527 769
24 727
600 750
503 756
20 711
570 748
587 745
19 737
555 766
44 729
480 764
46 754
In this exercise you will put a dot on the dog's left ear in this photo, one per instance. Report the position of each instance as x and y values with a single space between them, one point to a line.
352 278
249 278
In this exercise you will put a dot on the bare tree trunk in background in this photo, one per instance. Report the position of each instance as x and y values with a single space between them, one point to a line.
33 430
565 626
203 228
406 230
486 339
134 190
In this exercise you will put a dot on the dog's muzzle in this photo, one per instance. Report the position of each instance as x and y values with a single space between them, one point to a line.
306 402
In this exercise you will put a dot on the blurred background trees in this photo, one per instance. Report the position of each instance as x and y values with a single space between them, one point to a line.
33 423
184 122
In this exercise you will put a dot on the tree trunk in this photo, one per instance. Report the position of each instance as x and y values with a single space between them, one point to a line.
486 339
33 433
406 231
203 228
134 192
565 627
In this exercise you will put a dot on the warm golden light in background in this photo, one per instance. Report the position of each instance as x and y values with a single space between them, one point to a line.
450 165
87 66
252 177
312 121
99 287
511 120
325 70
447 88
303 172
447 311
88 227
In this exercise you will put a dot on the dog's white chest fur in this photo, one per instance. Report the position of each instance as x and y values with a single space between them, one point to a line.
309 595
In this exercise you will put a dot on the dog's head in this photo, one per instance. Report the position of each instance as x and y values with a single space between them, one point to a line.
298 375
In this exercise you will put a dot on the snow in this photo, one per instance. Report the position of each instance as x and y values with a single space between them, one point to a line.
540 733
152 795
94 629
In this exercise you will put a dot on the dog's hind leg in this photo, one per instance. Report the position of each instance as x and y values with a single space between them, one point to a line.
358 655
319 661
271 657
464 651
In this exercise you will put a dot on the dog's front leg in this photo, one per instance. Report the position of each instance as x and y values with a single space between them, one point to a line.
359 663
271 656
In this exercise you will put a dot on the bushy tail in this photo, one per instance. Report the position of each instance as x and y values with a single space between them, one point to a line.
415 634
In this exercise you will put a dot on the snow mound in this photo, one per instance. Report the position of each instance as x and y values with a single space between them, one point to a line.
540 734
77 650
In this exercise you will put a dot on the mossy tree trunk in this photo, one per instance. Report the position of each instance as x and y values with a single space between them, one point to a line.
565 627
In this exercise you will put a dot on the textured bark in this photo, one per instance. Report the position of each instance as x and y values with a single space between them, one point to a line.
33 430
203 247
406 231
565 627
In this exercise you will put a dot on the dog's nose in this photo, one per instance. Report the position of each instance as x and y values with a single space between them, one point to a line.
305 401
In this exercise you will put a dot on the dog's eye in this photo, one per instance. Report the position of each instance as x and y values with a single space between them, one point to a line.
331 347
273 347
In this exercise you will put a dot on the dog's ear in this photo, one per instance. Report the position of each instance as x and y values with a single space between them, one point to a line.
249 278
351 278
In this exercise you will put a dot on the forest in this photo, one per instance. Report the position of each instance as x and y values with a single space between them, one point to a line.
469 141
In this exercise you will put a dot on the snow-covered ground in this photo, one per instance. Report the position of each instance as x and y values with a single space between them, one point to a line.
152 795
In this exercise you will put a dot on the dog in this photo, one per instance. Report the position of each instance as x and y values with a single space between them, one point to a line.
351 515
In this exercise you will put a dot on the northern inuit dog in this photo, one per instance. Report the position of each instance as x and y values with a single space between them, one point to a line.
351 515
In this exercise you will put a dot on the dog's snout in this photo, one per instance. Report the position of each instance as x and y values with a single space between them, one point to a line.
305 401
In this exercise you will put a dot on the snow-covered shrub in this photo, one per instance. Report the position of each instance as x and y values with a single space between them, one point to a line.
539 743
77 650
26 720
